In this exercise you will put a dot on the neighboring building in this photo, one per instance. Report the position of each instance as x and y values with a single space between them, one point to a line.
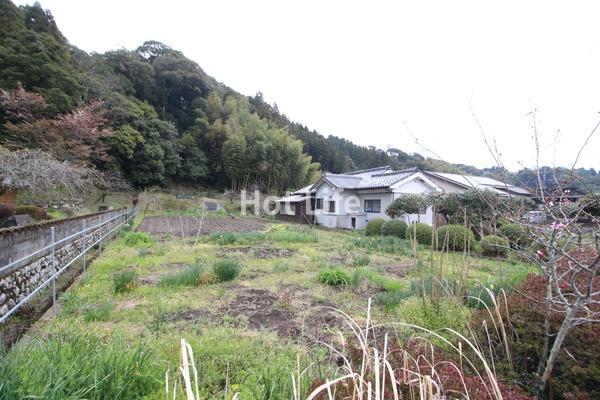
351 200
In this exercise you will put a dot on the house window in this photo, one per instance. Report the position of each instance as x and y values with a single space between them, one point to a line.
373 206
331 206
319 205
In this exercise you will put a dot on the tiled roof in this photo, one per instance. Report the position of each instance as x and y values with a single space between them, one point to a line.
480 182
384 177
368 179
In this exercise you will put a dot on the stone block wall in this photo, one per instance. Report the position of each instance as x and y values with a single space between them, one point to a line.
27 275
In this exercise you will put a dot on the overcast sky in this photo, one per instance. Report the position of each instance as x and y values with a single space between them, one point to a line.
374 71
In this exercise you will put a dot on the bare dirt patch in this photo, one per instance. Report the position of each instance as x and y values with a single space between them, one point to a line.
398 270
260 308
261 252
191 226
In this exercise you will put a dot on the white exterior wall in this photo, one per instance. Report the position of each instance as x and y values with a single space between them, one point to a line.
416 186
343 215
386 199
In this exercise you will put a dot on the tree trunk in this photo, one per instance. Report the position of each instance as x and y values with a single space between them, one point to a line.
544 356
556 347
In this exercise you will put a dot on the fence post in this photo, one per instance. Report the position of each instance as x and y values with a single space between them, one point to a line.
84 239
53 235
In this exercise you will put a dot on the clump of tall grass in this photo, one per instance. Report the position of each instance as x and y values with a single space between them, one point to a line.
188 276
226 270
78 366
124 281
378 367
280 266
98 312
361 260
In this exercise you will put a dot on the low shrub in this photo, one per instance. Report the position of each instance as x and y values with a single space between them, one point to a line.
374 227
124 281
226 270
137 239
422 232
37 213
493 245
455 238
394 228
516 235
334 277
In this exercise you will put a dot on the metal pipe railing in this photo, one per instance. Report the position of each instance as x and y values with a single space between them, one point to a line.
49 247
126 215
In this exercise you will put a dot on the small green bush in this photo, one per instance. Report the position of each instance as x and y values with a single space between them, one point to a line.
137 239
124 281
515 234
189 276
334 277
226 270
374 227
493 245
455 237
35 212
395 228
423 232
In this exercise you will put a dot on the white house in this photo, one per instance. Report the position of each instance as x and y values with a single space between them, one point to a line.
350 200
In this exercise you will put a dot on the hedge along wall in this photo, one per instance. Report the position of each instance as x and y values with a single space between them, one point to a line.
16 243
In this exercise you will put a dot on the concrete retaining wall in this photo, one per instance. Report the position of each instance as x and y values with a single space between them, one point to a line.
27 275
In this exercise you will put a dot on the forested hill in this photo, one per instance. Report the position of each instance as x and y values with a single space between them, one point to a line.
157 117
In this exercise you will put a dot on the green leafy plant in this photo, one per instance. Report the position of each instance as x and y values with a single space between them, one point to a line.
137 239
124 281
516 235
334 277
407 203
394 228
226 270
374 227
493 245
422 232
455 237
280 266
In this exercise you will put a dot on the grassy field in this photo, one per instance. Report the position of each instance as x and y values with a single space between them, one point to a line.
254 306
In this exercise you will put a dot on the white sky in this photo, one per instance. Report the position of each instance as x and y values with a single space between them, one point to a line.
366 71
